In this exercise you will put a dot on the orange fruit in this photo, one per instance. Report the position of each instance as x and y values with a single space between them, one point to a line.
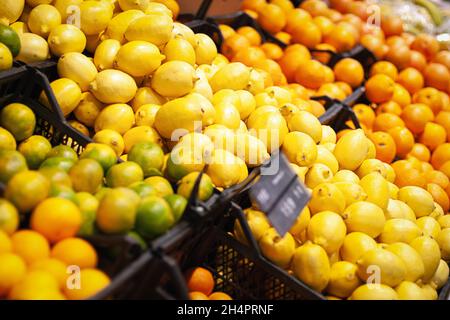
323 57
250 57
351 28
365 114
401 95
307 34
443 118
379 88
341 38
440 155
312 74
426 167
433 135
30 245
384 67
272 51
411 177
416 116
445 169
201 280
411 79
331 90
219 296
386 121
295 18
374 44
437 177
283 37
404 140
226 30
394 41
272 18
92 281
251 34
234 44
417 60
439 195
420 152
426 44
349 71
391 25
437 76
389 107
431 97
360 9
353 19
254 5
443 57
274 69
56 219
325 25
344 86
399 55
384 145
290 62
195 295
75 251
285 5
299 91
314 7
333 15
409 38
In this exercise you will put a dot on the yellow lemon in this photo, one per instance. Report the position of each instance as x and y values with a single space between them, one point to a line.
105 54
158 8
306 122
346 176
117 117
127 5
56 268
372 150
234 76
351 149
88 109
418 199
408 290
77 67
256 82
444 221
138 58
12 271
377 189
43 19
429 292
352 192
327 197
227 115
140 134
183 31
364 217
277 249
301 223
257 222
300 148
208 110
440 277
374 292
397 209
413 262
355 245
174 79
66 8
328 135
111 138
66 38
443 239
154 28
390 173
205 49
95 16
67 94
179 49
429 226
145 115
250 149
224 168
399 230
6 58
437 212
113 86
318 173
343 279
371 165
328 230
146 95
428 249
33 48
299 171
92 282
327 158
118 25
10 11
393 191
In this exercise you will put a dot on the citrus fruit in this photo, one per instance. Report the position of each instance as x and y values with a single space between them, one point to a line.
86 176
77 67
113 86
63 151
343 279
149 156
9 217
353 140
178 205
33 48
154 28
57 163
65 38
95 16
154 217
19 120
276 248
35 150
88 205
101 153
300 148
53 266
186 184
162 186
138 58
379 88
124 174
374 292
219 296
429 251
420 201
10 39
67 94
11 162
30 245
320 231
92 281
179 49
327 197
75 251
200 280
364 217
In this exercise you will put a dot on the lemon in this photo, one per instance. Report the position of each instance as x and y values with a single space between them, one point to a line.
118 25
306 122
154 28
364 217
179 49
178 117
111 138
351 149
140 5
300 148
346 176
256 84
372 165
158 8
440 277
183 31
318 173
227 115
79 127
257 222
225 168
408 290
6 58
327 158
105 54
250 149
113 86
108 118
443 239
226 96
387 267
376 188
343 279
428 249
10 11
77 67
202 85
33 48
397 209
352 192
146 95
205 49
208 110
12 271
222 137
247 103
399 230
355 245
393 191
183 161
429 226
19 27
174 79
67 94
444 221
95 16
277 249
66 38
328 230
66 8
374 292
301 223
140 134
418 199
413 262
310 264
145 115
259 112
429 292
43 19
328 135
234 76
88 109
437 212
327 197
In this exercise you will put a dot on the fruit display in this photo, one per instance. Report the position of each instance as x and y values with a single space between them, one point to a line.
166 110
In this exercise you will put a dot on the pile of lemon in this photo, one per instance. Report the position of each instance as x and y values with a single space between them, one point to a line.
360 237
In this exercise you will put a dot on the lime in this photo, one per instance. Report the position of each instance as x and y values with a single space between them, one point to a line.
86 175
10 38
88 205
103 154
11 162
186 185
9 217
62 191
142 189
178 204
35 150
154 217
18 119
7 141
123 174
63 151
149 156
56 176
101 193
162 186
136 237
58 162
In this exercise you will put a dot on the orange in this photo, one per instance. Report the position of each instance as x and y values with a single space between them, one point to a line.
75 251
195 295
314 7
360 9
92 281
5 242
299 91
351 28
401 95
285 5
234 44
440 155
323 57
295 18
417 60
251 13
219 296
201 280
344 87
272 51
325 25
437 76
411 79
416 116
443 57
290 62
409 38
350 71
274 69
272 18
283 37
250 57
445 169
56 219
55 267
399 55
331 90
420 152
340 38
333 15
341 5
426 167
438 177
433 135
374 44
391 25
365 114
30 246
384 145
307 34
394 41
254 5
312 74
439 195
411 177
353 19
384 67
443 118
226 30
431 97
251 34
426 44
404 140
379 88
389 107
386 121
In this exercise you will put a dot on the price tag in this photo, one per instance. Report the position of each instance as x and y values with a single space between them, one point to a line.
282 196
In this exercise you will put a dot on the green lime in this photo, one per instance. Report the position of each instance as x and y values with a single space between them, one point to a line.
123 174
63 151
88 205
19 120
149 156
9 217
154 217
103 154
11 162
101 193
56 176
62 191
162 186
135 236
10 38
178 204
142 189
58 162
35 150
86 175
205 190
7 141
